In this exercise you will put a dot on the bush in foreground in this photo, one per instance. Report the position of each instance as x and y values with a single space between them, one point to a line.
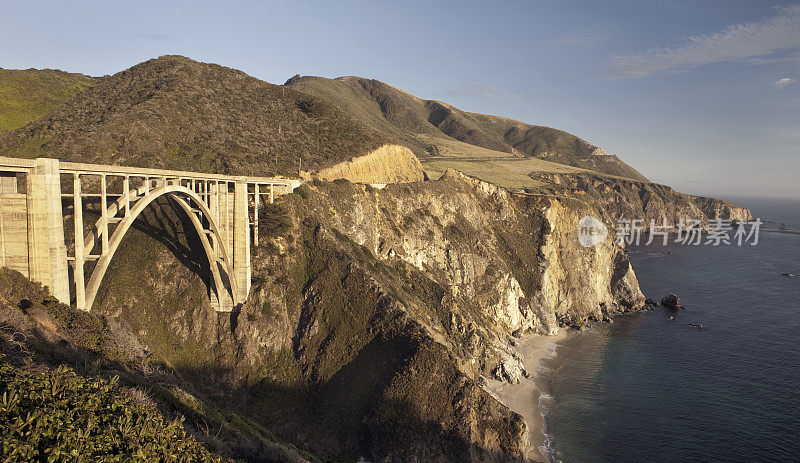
60 416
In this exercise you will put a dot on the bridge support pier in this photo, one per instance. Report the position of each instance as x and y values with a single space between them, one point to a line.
47 253
241 240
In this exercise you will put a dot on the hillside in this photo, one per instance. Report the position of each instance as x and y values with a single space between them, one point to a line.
71 382
173 112
436 130
374 320
374 314
28 94
618 198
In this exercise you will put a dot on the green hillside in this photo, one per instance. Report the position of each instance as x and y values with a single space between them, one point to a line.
434 128
176 113
173 112
28 94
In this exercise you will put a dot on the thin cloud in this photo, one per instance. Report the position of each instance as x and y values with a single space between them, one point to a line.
784 82
747 42
792 57
580 38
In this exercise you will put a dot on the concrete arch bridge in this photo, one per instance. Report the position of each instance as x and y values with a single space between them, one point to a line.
42 207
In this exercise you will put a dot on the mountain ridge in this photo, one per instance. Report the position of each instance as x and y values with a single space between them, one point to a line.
174 112
408 116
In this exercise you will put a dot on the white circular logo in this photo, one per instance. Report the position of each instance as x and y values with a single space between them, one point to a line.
591 231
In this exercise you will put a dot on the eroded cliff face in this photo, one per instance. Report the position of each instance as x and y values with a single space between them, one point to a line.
374 313
387 164
618 198
581 283
713 207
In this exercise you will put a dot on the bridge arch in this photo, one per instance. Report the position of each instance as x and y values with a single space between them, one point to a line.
205 225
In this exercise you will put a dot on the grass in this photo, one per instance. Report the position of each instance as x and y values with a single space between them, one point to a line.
29 94
433 129
508 173
176 113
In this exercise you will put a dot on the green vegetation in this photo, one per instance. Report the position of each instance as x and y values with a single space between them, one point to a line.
40 336
521 245
59 416
511 173
337 350
273 220
29 94
176 113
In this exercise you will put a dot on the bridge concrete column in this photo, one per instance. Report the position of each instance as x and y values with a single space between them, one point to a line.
241 240
47 253
213 205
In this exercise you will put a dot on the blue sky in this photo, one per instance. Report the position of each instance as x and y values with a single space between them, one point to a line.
701 95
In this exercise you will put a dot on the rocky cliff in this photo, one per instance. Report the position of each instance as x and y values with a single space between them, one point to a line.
373 313
618 198
387 164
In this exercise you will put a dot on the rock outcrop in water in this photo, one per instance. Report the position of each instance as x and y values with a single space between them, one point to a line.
671 301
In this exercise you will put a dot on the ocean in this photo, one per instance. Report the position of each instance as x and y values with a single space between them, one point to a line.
650 389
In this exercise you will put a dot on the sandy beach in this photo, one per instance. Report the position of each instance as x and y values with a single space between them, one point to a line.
523 398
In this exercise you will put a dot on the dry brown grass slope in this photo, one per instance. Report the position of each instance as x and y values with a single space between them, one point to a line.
173 112
434 128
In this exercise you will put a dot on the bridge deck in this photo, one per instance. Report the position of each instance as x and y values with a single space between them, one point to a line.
24 165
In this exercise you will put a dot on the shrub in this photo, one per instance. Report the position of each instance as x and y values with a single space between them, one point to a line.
60 416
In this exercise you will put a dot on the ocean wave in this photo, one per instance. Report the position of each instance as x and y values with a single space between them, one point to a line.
546 402
547 449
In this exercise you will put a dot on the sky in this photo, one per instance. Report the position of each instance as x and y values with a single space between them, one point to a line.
700 95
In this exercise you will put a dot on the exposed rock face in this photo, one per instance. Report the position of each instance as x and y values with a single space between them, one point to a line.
387 164
605 283
671 301
618 198
374 314
713 207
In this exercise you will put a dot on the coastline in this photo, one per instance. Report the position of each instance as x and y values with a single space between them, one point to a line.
524 398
